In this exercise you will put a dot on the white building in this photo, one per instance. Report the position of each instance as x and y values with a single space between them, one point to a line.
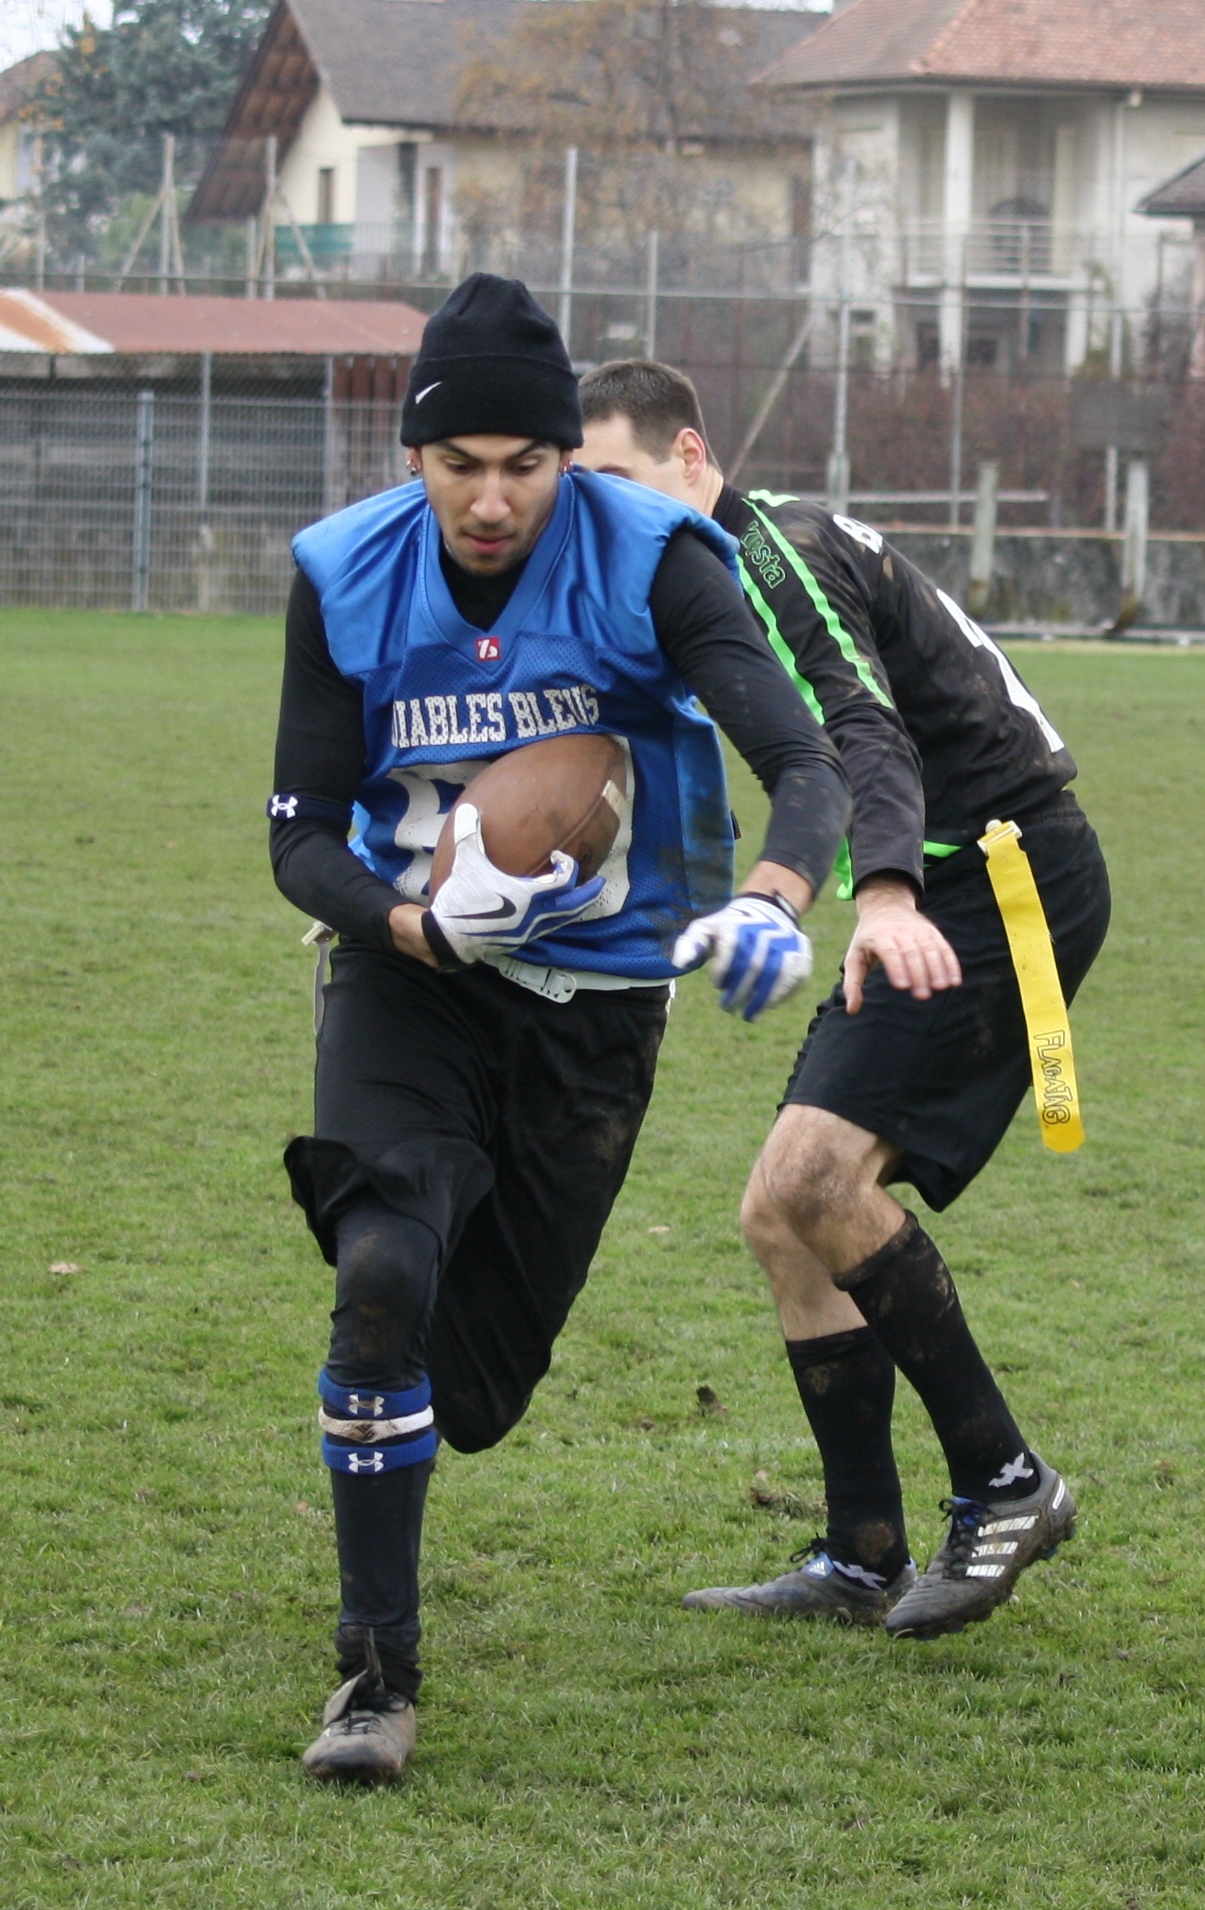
992 154
380 169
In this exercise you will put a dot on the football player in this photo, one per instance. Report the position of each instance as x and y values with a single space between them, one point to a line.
916 1063
485 1057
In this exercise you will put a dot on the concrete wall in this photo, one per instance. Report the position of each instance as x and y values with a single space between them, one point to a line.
1061 578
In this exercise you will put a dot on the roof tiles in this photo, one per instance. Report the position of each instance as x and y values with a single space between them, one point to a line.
137 322
1157 45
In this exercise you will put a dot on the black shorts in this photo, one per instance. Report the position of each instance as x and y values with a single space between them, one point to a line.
942 1079
502 1121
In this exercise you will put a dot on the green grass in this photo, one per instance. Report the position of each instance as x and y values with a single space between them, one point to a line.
167 1584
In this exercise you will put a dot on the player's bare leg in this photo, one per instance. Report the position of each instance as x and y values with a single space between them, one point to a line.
846 1378
819 1177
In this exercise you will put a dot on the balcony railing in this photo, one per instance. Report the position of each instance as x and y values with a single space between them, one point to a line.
1009 249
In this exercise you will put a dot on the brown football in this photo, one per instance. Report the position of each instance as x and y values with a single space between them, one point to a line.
564 793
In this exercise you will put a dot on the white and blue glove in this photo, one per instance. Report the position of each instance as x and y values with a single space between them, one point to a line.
480 910
758 953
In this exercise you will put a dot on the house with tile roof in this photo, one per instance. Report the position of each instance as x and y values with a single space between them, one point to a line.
998 152
1182 197
378 161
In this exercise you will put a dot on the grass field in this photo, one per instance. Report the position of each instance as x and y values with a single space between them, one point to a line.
167 1582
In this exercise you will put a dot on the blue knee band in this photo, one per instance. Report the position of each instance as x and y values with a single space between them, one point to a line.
368 1402
359 1459
364 1430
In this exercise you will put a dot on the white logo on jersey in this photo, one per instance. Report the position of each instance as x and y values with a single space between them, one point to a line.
1017 692
861 533
431 722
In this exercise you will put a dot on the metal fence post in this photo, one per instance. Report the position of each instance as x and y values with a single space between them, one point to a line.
1133 554
957 397
268 216
205 423
167 192
204 528
144 441
328 436
837 476
650 294
983 543
564 316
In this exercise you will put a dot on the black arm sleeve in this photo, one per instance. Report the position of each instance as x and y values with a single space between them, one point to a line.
838 655
320 754
814 586
705 630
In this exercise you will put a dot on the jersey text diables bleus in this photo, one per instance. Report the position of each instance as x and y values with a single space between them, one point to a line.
573 650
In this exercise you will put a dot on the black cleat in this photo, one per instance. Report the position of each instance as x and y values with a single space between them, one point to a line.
368 1730
819 1589
983 1555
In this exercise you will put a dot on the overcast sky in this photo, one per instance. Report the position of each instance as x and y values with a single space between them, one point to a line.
26 25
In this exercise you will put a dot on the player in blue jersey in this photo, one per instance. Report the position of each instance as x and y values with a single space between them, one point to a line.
485 1058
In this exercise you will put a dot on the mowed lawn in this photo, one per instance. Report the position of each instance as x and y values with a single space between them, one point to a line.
166 1569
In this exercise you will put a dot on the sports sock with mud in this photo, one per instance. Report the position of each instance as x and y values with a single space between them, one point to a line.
846 1382
379 1438
907 1295
378 1528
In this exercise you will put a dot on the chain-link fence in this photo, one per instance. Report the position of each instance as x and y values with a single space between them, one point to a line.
131 485
153 501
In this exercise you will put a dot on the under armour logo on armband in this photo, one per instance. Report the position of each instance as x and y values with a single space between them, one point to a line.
489 649
358 1403
365 1462
285 806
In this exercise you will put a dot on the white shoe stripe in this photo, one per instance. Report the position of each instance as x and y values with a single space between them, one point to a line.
985 1571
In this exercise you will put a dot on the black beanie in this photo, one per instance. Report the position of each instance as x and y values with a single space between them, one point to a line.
492 361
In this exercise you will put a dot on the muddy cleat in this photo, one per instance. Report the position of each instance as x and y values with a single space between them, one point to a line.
368 1731
985 1551
818 1589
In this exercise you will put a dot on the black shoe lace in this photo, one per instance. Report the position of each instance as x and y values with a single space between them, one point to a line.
811 1550
372 1695
960 1541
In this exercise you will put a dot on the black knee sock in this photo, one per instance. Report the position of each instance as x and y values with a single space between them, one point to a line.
847 1384
907 1295
384 1292
378 1527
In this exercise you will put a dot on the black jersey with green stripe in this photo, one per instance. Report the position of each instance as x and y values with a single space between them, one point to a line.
936 731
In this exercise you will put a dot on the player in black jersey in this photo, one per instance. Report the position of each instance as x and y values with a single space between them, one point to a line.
917 1062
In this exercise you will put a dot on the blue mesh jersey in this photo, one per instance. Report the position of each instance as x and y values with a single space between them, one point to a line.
573 650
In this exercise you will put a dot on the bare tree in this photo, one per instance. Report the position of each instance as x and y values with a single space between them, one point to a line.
657 97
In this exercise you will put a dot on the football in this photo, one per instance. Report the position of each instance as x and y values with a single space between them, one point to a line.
567 792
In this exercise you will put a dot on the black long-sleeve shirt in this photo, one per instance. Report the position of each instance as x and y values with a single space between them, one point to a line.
936 730
703 627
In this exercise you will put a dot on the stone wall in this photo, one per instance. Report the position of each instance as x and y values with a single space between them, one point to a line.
1067 577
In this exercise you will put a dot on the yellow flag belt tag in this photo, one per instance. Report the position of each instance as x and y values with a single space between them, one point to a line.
1046 1021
